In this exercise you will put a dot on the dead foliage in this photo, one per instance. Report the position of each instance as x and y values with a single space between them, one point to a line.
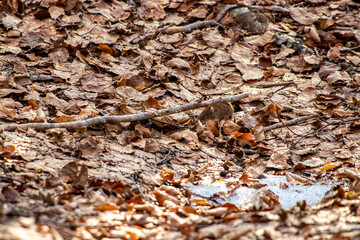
66 62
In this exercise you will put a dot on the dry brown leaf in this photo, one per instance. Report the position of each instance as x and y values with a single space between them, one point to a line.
165 199
229 126
146 58
249 72
295 179
213 38
187 135
106 207
254 167
179 63
278 160
7 111
302 16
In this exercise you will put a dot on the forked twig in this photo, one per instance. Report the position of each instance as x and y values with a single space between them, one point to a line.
124 118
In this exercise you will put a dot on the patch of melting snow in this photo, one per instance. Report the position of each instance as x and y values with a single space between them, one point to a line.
242 197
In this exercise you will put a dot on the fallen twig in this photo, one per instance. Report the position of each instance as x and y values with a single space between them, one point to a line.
41 77
269 85
132 177
164 159
124 118
339 122
273 8
202 24
223 11
11 178
191 27
289 123
251 152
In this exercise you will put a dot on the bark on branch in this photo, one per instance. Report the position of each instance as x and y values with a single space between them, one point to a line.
289 123
124 118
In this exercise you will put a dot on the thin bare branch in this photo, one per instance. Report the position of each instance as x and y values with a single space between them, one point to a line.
339 122
11 178
223 11
289 123
269 85
273 8
124 118
191 27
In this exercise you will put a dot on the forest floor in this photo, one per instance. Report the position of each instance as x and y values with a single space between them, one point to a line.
67 61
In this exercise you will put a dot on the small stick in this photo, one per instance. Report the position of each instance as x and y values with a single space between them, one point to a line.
40 77
191 27
321 128
251 151
123 118
269 85
223 11
11 178
169 124
164 159
137 186
289 123
273 8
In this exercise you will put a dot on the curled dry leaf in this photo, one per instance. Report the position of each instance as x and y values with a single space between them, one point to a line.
187 135
229 126
146 58
106 207
255 167
278 160
7 111
241 53
352 174
313 34
172 191
165 199
265 196
142 132
245 138
10 21
213 38
296 179
330 166
325 23
179 63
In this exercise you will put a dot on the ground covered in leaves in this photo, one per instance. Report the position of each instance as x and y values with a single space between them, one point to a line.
64 61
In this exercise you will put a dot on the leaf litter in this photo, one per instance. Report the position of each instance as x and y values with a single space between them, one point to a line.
67 61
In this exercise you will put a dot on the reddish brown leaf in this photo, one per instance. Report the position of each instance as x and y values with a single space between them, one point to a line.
106 207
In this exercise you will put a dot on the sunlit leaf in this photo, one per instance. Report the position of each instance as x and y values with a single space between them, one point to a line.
330 166
105 48
106 207
202 203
